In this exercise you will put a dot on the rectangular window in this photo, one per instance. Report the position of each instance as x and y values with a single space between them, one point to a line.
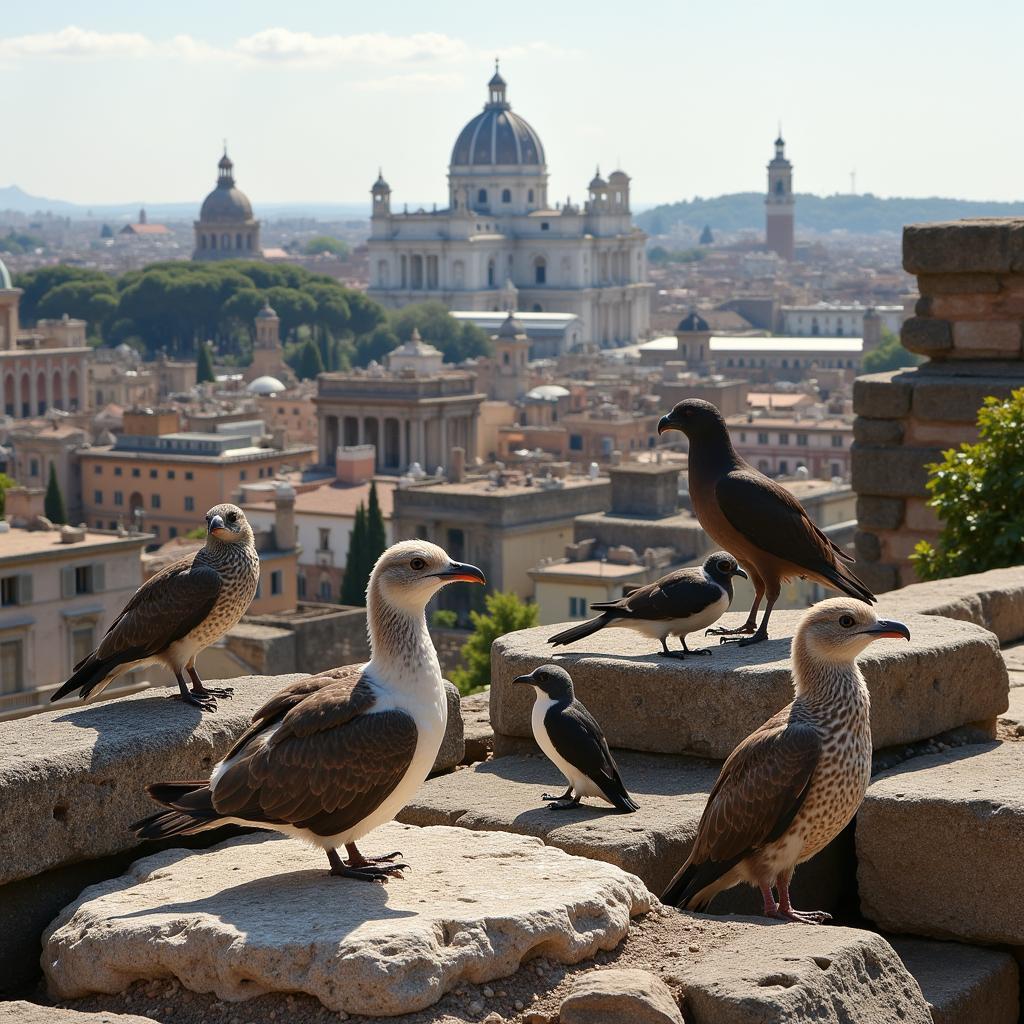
242 474
300 581
154 501
83 579
117 471
577 607
12 666
97 497
97 470
33 467
576 442
172 531
118 497
136 471
190 504
81 643
152 474
783 438
837 440
325 590
762 438
545 226
188 474
836 469
276 581
325 539
783 467
801 440
8 591
170 474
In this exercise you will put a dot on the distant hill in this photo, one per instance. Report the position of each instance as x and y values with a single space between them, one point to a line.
860 215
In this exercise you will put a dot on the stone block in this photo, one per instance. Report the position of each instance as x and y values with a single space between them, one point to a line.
993 599
950 674
999 339
504 794
962 984
73 779
877 432
618 995
891 472
1001 306
921 518
939 846
957 400
981 246
453 746
880 513
878 578
957 284
262 915
924 335
929 433
20 1011
883 396
476 719
867 546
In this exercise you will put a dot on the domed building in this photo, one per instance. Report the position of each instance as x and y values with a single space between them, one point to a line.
501 235
226 229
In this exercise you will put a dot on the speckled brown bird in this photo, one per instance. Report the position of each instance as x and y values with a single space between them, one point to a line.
335 755
179 612
795 783
755 519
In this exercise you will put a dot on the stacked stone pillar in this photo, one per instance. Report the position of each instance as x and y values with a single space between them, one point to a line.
969 325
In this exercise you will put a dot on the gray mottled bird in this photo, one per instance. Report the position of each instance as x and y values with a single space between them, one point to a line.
754 518
682 602
333 756
179 612
795 783
570 736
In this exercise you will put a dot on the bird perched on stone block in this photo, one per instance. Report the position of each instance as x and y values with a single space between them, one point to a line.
795 783
682 602
754 518
570 736
179 612
333 756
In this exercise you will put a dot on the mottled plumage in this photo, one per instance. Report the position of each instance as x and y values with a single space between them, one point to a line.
331 757
794 783
679 603
179 612
754 518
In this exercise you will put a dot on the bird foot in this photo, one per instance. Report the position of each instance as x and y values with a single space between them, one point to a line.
370 872
227 692
383 858
746 641
703 651
747 627
558 804
562 796
801 916
203 701
679 655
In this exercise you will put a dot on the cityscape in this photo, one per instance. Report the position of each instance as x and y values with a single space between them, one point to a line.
496 374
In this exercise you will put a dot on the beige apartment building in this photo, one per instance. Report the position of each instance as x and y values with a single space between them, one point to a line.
59 592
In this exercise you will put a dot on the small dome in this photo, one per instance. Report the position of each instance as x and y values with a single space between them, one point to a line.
267 312
5 276
618 178
265 386
497 137
511 328
380 185
547 393
693 321
225 204
597 181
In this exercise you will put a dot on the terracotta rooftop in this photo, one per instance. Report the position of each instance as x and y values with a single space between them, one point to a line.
334 499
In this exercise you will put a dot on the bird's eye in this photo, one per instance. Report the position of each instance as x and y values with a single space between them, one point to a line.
846 621
724 566
418 564
232 517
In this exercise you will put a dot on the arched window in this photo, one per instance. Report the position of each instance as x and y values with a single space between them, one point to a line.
529 196
202 241
506 195
504 358
540 270
58 390
481 196
780 187
537 308
213 241
248 241
490 273
238 240
41 393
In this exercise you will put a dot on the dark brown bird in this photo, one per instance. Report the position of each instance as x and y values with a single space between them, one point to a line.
754 518
795 783
680 603
179 612
334 756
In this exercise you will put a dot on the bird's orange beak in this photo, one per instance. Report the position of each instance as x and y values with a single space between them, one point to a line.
887 628
461 572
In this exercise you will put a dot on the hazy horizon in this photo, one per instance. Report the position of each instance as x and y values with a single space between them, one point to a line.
129 104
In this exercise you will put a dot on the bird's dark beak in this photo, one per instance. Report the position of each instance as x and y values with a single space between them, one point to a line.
460 572
216 526
739 572
528 678
887 628
667 423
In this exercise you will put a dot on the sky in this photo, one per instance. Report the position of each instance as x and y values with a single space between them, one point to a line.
125 101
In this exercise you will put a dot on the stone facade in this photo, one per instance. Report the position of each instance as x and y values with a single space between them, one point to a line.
969 323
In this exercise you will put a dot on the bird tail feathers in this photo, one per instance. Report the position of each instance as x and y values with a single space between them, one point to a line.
584 629
845 579
190 810
92 673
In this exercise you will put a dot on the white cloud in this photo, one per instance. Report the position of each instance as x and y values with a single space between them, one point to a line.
281 45
76 42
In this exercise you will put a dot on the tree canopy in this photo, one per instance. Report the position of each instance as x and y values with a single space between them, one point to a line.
326 243
357 566
890 355
53 502
505 614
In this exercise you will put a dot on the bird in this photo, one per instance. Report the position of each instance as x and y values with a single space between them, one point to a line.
178 613
334 755
680 603
754 518
571 738
793 784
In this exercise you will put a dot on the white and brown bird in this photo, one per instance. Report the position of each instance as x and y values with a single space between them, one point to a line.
333 756
754 518
179 612
680 603
795 783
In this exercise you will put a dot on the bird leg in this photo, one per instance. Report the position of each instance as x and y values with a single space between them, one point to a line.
364 869
563 802
203 691
762 631
701 650
771 908
200 699
750 625
786 912
567 795
666 653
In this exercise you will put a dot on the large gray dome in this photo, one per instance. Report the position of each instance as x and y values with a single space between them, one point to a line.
226 204
497 136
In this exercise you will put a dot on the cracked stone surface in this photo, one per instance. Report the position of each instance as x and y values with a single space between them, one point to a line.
261 914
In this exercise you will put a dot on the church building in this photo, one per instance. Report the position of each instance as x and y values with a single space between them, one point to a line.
501 244
226 229
779 204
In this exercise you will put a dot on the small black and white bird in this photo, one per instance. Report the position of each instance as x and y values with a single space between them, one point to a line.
570 736
682 602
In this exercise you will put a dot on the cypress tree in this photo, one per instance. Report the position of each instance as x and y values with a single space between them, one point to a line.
310 361
357 568
53 504
204 365
376 533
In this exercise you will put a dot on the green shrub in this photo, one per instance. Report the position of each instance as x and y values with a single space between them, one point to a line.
505 614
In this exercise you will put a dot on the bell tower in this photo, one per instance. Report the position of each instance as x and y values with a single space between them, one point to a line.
779 204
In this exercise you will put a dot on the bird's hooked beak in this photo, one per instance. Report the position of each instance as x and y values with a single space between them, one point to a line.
739 572
217 528
460 572
667 423
528 678
887 628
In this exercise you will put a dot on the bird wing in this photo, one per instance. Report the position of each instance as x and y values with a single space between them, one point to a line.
323 759
762 786
678 595
575 734
167 607
773 520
